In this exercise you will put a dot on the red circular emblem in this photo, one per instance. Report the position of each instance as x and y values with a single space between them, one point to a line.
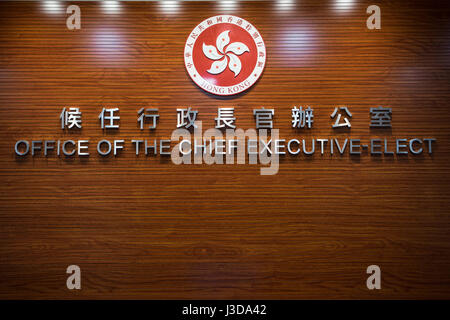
225 55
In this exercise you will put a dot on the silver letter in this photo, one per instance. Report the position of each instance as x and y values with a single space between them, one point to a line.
401 146
34 146
373 146
64 148
322 143
117 146
99 150
289 146
430 150
80 147
411 143
47 147
354 146
16 148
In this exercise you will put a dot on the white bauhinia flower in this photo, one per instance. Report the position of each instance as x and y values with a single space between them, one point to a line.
222 40
218 66
235 64
237 48
225 51
211 52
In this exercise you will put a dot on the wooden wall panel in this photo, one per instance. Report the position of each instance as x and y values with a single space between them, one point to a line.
142 227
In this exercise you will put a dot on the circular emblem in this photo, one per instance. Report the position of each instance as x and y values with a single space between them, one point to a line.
225 55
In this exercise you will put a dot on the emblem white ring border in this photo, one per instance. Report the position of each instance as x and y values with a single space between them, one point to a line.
199 80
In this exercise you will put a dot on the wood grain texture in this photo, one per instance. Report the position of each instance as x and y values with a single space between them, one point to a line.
142 227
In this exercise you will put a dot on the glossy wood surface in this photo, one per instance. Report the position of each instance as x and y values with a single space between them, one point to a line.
142 227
